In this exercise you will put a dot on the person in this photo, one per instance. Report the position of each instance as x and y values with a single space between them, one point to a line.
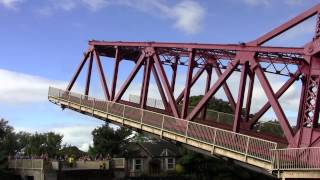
71 161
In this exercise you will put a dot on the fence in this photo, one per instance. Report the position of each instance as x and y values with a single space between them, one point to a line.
297 158
239 143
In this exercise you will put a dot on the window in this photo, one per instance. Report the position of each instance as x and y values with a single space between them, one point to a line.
170 163
137 164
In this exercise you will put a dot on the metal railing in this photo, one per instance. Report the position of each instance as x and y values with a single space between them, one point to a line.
214 116
297 158
28 164
242 144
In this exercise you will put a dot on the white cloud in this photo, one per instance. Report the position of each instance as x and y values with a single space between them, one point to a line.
257 2
95 4
294 2
268 3
55 5
24 88
11 4
66 5
77 135
73 134
187 15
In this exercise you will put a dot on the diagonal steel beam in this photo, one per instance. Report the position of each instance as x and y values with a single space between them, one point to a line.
130 77
213 89
162 94
226 90
101 75
76 74
278 94
193 81
284 27
274 104
166 85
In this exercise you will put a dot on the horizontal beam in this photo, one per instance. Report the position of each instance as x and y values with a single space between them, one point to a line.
231 47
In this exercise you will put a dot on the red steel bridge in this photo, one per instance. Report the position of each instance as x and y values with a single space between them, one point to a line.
295 154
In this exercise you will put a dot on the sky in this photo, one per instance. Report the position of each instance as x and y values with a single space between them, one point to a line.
42 43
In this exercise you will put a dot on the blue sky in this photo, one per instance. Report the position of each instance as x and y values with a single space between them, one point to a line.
42 43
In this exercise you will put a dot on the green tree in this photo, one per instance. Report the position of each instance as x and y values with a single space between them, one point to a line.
199 166
40 143
8 146
139 137
108 140
70 150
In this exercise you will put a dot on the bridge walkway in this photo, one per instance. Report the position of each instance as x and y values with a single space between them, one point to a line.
250 150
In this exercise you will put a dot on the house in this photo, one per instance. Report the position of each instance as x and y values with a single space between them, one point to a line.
151 158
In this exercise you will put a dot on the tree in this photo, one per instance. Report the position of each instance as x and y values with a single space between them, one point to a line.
108 140
70 150
8 146
198 166
40 143
139 137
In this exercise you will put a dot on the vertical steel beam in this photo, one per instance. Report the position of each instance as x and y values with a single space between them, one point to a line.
166 85
185 105
145 85
208 84
130 77
301 104
86 91
226 89
213 89
242 87
174 67
274 104
162 94
115 73
101 75
76 74
249 95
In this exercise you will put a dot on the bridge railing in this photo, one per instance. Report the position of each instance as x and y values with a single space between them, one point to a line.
297 158
242 144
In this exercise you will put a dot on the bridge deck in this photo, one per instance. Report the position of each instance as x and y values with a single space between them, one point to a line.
250 150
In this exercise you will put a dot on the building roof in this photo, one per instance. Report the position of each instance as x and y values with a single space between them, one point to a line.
157 148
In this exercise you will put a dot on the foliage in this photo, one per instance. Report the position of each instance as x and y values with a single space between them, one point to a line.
108 140
214 103
70 150
40 143
198 166
271 127
7 146
139 137
27 143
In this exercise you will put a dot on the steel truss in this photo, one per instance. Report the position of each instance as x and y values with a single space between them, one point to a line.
252 59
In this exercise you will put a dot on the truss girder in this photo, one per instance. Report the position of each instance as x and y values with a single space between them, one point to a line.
252 59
